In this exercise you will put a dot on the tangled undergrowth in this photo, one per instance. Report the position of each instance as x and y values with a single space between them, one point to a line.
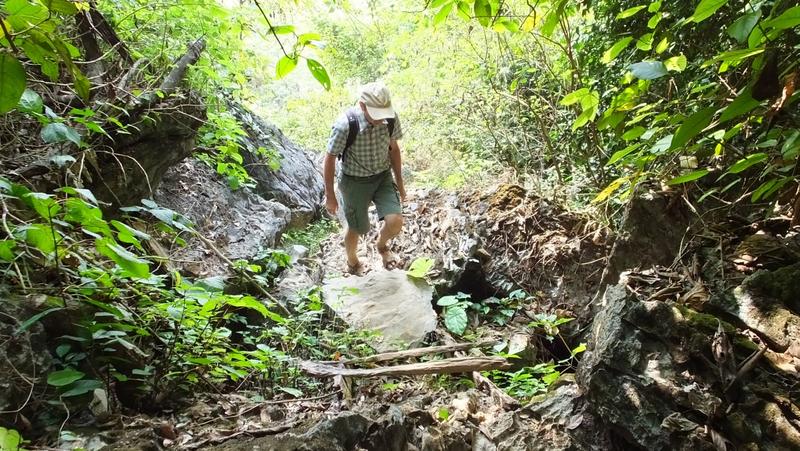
121 327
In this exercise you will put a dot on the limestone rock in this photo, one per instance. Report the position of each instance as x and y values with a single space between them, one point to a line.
240 223
389 302
297 183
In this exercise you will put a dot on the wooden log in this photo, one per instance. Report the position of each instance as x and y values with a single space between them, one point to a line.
445 366
418 352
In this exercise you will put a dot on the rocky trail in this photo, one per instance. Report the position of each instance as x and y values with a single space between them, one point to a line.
533 328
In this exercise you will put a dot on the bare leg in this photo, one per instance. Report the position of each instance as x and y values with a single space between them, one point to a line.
351 247
392 225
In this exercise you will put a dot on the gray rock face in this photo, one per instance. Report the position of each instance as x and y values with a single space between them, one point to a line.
298 182
648 376
240 223
651 234
389 302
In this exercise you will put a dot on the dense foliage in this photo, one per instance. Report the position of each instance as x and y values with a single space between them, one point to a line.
581 101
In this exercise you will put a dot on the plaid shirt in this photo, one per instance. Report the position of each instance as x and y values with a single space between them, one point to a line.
369 154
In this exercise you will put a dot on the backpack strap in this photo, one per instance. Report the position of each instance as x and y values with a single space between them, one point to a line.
352 131
390 124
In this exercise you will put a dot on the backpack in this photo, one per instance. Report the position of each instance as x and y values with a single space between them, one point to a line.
352 131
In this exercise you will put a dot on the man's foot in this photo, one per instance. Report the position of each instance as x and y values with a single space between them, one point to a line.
357 269
387 256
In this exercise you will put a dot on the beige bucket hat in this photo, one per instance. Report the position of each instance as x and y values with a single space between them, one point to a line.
376 98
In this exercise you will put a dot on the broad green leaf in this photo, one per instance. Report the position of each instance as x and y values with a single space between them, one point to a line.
42 237
550 378
692 126
446 301
741 28
654 21
12 82
82 387
735 56
761 190
292 391
574 97
706 9
630 12
30 102
437 3
10 439
483 12
662 45
609 190
282 29
676 63
319 72
620 154
745 163
578 349
23 15
655 6
134 265
743 104
61 6
455 319
34 319
610 54
633 133
305 38
788 19
420 267
694 175
441 16
648 70
465 12
81 83
587 115
7 249
58 132
285 65
645 42
64 377
43 204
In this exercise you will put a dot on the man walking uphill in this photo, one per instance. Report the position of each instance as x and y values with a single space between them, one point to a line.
365 139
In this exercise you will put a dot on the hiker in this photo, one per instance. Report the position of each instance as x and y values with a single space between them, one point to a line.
365 138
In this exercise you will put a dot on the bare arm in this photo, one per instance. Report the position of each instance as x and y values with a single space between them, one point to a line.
328 171
397 167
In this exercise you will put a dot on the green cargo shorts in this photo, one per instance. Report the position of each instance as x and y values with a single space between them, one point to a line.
358 192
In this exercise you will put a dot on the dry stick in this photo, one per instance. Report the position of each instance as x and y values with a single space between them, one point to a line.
256 433
446 366
249 278
417 352
173 79
747 366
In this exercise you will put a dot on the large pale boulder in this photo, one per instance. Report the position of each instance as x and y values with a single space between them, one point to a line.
389 302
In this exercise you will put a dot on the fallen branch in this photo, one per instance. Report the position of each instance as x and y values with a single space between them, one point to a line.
446 366
173 79
252 433
746 367
417 352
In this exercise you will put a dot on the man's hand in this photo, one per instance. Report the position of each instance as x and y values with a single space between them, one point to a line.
402 191
331 204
